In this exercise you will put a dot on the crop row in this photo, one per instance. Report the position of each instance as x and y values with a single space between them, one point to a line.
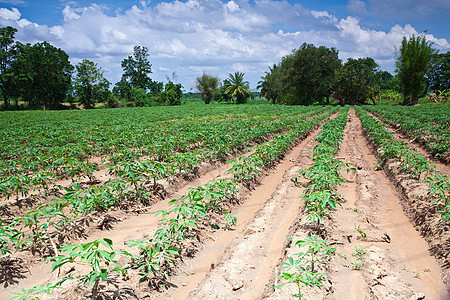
173 148
158 254
321 197
246 168
411 162
432 132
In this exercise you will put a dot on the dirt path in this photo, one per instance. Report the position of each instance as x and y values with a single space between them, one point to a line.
237 266
396 263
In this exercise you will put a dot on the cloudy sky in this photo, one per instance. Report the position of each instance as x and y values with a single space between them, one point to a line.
189 37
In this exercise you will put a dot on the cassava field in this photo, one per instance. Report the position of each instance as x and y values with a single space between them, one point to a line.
226 202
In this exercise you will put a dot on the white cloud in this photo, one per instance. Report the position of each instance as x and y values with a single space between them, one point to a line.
198 36
232 6
12 14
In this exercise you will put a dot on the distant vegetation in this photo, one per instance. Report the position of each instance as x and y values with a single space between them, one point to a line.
311 75
40 76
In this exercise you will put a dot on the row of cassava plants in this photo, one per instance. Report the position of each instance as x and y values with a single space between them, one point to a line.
321 199
432 132
40 228
159 254
246 168
415 164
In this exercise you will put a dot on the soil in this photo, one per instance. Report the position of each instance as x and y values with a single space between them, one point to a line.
244 263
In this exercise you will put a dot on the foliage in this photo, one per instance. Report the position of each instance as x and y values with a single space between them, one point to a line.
136 68
302 270
237 87
122 89
271 84
207 84
6 57
357 81
439 75
89 84
42 74
172 94
304 77
413 61
97 259
220 94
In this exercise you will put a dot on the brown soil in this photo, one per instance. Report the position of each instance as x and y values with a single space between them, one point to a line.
397 263
243 263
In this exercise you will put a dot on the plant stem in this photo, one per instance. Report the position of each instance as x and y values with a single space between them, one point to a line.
95 290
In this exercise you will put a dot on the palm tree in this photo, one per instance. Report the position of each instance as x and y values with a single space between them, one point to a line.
238 87
270 84
207 84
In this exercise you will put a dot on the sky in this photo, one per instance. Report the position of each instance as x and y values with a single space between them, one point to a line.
187 38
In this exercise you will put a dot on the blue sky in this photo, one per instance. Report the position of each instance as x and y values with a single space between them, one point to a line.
189 37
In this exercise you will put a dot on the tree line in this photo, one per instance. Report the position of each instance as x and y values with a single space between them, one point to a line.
41 76
315 75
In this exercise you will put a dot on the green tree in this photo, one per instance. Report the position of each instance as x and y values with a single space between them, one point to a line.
43 74
207 84
89 84
220 95
172 94
385 80
122 90
357 81
237 87
308 74
439 75
136 69
413 61
6 57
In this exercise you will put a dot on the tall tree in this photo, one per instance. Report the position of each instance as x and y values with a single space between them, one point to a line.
237 87
207 84
6 56
89 84
137 67
308 74
439 75
43 74
413 61
357 81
